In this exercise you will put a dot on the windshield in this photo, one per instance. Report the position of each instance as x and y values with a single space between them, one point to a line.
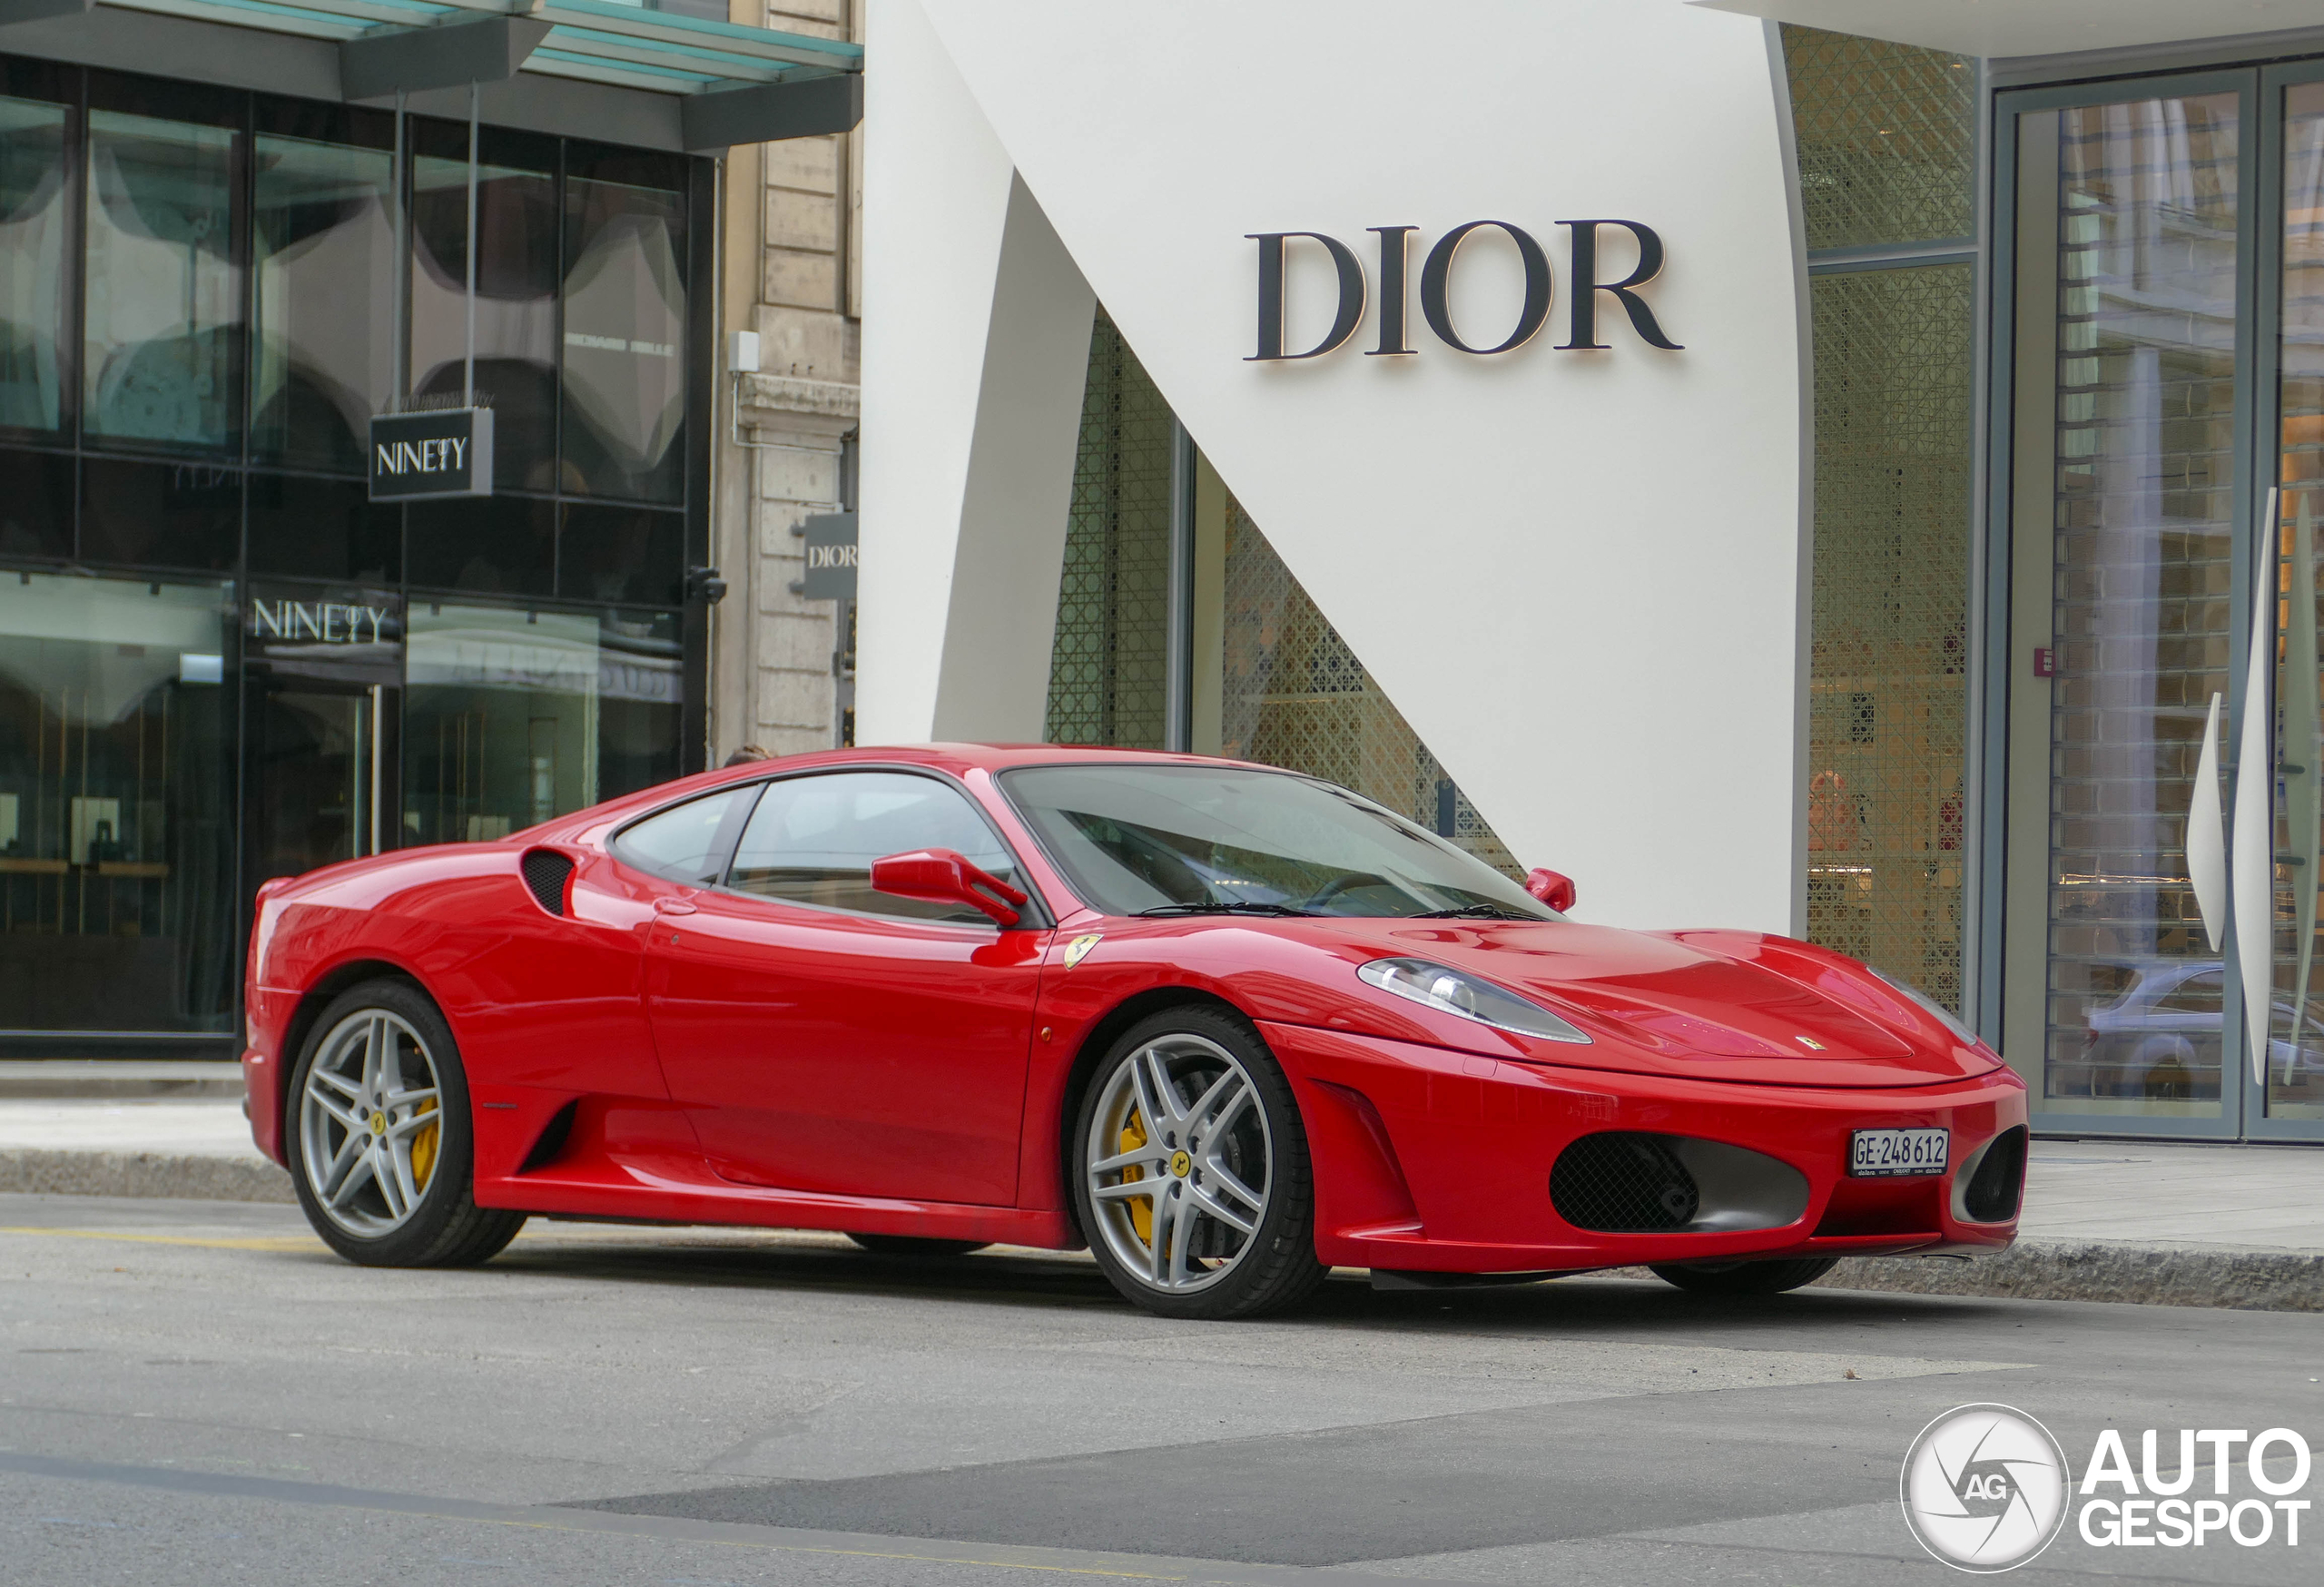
1170 840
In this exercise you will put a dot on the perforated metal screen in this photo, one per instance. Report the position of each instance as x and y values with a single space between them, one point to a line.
1887 138
1294 694
1888 695
1108 668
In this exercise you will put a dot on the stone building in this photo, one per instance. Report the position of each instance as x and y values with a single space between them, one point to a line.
781 665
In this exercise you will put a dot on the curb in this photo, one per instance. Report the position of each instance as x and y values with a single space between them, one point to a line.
2241 1277
175 1175
106 1079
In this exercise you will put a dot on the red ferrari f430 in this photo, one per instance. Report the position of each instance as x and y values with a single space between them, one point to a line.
1227 1025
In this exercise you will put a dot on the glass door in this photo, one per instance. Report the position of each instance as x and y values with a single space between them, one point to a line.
2130 411
323 669
2163 302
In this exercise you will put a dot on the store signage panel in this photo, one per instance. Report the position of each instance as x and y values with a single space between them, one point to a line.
416 457
1393 259
831 556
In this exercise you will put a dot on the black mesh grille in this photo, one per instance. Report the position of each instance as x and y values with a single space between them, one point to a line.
2000 1179
1617 1182
545 873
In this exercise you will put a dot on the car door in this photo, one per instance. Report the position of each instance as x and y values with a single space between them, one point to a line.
826 1038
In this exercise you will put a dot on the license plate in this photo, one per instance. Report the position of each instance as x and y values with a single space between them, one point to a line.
1886 1153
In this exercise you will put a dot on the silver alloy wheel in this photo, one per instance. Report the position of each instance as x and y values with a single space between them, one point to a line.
370 1123
1180 1145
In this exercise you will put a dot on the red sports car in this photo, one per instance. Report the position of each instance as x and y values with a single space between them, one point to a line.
1225 1025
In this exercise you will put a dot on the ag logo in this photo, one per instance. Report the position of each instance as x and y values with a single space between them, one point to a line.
1985 1488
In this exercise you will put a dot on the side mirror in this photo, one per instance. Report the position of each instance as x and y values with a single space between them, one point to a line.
945 876
1554 888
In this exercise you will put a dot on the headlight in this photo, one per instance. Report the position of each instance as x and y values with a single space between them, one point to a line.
1450 991
1935 1009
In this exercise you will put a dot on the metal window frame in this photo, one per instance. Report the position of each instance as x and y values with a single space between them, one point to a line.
1998 448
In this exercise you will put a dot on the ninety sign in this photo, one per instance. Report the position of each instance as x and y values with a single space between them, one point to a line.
831 556
415 456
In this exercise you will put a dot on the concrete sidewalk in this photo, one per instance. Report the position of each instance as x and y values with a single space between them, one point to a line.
2170 1224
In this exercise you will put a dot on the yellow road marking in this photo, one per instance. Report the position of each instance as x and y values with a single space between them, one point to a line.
268 1243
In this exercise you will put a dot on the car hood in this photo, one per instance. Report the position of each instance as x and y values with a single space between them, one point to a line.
1741 1006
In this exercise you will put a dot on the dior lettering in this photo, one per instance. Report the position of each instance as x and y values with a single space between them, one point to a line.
1439 263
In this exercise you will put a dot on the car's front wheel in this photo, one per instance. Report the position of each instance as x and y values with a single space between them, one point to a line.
1190 1170
1744 1277
380 1149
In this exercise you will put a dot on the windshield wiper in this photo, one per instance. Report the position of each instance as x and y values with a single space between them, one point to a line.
1474 911
1227 907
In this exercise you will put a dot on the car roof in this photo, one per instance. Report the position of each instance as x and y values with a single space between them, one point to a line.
955 759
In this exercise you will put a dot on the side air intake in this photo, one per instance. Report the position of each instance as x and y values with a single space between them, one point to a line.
545 872
1624 1182
1621 1182
1998 1181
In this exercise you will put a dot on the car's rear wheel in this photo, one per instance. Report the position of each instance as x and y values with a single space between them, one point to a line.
1744 1277
916 1245
381 1149
1190 1170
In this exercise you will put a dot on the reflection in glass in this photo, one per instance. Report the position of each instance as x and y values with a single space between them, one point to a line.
2145 315
36 504
516 284
116 906
624 339
323 253
2295 1087
163 295
167 515
34 227
513 717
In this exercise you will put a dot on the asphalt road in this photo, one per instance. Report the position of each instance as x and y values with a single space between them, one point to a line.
195 1393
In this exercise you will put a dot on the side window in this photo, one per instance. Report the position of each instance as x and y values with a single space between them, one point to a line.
683 842
2198 994
812 840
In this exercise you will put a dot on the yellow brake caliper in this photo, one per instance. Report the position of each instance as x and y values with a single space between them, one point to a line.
1141 1211
423 1150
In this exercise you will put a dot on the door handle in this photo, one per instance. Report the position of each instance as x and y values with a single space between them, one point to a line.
672 906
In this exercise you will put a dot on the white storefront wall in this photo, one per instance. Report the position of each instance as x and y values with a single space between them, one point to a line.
1578 574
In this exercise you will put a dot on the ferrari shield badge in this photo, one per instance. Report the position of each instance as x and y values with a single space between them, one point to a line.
1078 949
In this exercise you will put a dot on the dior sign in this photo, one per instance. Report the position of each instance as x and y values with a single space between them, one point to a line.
1393 256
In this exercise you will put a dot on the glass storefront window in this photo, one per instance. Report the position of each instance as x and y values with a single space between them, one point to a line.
626 330
163 295
516 715
322 238
36 231
2128 293
117 907
516 284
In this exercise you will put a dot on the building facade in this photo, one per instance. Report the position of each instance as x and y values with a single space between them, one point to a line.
782 665
1887 522
221 660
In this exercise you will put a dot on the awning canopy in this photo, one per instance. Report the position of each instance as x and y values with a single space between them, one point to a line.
2036 27
732 84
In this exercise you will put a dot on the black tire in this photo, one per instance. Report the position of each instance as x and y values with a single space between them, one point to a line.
1744 1277
444 1226
916 1245
1269 1267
